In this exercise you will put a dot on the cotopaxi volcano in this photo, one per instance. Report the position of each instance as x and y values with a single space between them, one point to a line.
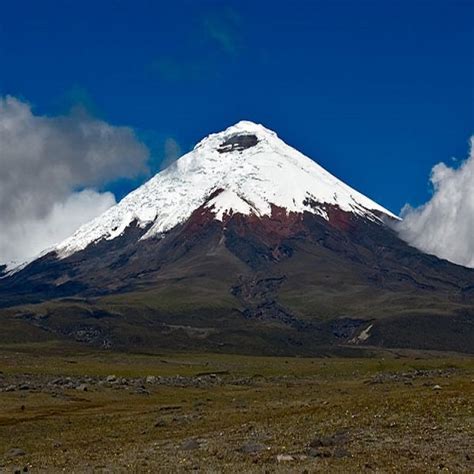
242 245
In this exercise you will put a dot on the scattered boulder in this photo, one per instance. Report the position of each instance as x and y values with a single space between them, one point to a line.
319 452
328 441
170 407
285 458
341 452
251 447
329 446
82 387
150 379
406 377
322 442
111 378
190 444
18 470
142 390
15 453
161 424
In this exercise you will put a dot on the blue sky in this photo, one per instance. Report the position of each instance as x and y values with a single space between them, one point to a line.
376 91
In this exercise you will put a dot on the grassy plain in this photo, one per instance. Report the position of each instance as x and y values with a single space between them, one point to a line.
401 411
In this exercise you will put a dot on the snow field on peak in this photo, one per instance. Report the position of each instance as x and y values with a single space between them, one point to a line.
268 173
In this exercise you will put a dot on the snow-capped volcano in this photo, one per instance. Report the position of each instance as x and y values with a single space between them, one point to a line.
258 250
245 169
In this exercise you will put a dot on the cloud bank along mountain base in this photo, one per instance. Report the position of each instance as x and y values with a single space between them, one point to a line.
51 173
444 226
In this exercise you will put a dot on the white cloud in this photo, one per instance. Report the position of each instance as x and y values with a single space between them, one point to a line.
49 167
30 236
172 151
444 226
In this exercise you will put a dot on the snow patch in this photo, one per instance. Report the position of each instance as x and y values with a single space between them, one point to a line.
227 203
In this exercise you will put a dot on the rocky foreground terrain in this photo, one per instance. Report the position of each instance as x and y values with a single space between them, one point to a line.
77 410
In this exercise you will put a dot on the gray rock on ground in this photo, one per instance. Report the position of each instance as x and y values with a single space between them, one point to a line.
190 444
